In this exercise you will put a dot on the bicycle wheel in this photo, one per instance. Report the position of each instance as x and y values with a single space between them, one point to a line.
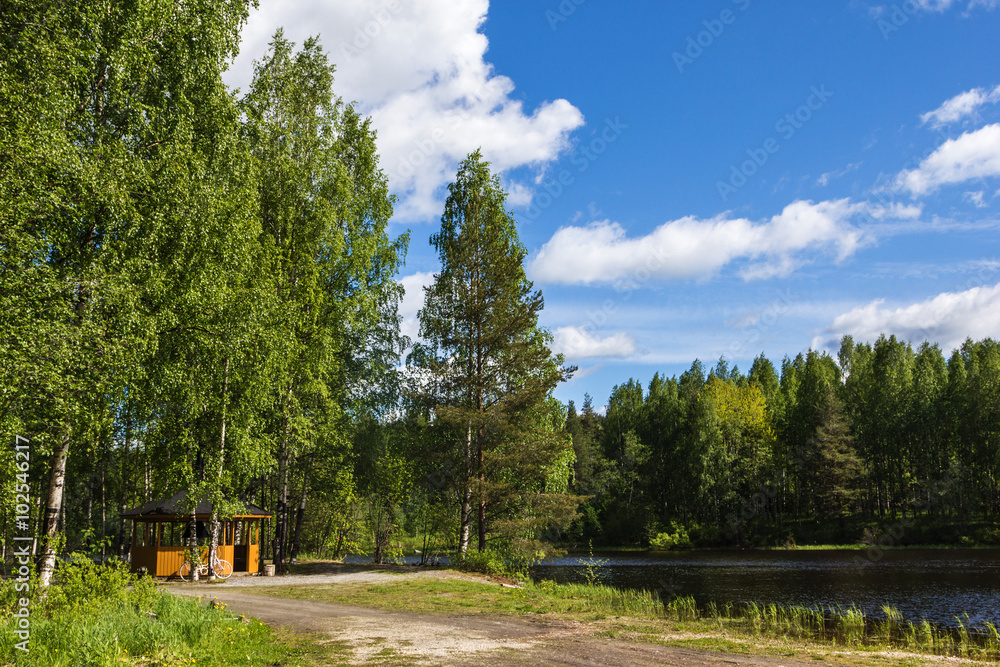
185 571
223 568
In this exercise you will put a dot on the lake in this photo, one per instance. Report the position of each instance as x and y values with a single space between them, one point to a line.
936 584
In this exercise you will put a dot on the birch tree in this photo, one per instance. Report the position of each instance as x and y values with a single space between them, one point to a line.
324 209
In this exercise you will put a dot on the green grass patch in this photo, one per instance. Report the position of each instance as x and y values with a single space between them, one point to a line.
720 644
459 595
99 616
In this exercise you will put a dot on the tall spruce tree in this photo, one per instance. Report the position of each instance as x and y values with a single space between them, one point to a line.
486 367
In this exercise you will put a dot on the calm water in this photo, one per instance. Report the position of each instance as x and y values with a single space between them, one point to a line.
933 584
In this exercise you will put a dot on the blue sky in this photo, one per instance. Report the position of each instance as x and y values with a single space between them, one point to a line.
695 180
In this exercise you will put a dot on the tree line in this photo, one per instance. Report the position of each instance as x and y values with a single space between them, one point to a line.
881 442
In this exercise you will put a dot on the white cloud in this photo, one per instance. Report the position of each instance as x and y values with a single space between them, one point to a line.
944 5
961 106
419 70
978 198
579 343
825 179
413 301
518 194
973 155
947 319
694 248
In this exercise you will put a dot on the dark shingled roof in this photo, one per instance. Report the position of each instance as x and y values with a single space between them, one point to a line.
177 504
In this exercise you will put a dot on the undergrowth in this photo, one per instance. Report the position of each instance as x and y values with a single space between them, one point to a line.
101 615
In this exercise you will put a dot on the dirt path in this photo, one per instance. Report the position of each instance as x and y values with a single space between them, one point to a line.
453 639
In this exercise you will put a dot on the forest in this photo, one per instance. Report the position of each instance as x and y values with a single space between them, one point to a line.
198 291
883 445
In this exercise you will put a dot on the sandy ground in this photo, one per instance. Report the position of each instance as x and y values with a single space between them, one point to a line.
448 640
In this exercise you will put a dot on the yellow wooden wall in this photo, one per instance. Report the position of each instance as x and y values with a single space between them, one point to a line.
163 561
169 561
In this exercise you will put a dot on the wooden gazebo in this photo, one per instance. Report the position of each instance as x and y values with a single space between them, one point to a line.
161 532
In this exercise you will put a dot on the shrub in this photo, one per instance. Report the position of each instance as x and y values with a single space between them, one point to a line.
83 584
502 559
678 539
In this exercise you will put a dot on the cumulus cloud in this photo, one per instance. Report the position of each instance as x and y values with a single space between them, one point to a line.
695 248
579 343
961 106
413 301
419 70
973 155
947 319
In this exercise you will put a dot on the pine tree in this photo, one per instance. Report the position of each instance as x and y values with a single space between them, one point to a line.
487 370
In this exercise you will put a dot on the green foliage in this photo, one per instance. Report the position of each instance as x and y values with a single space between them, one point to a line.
101 615
484 378
678 539
190 298
85 586
490 561
158 629
199 291
503 558
593 569
682 609
821 453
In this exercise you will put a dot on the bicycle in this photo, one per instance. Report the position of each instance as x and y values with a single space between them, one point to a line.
223 569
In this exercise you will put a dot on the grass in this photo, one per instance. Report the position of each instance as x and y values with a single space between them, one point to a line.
169 631
459 595
854 546
98 616
863 547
